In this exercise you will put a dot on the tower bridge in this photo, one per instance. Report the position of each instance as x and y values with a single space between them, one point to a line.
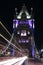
21 41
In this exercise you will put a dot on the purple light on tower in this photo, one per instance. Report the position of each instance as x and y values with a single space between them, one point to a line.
23 41
33 25
13 52
23 22
33 51
16 23
30 23
27 41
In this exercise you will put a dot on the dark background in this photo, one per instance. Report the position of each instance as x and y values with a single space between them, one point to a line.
7 11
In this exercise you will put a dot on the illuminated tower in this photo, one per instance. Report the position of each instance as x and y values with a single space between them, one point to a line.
23 27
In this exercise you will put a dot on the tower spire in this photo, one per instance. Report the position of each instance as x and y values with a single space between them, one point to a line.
31 12
24 7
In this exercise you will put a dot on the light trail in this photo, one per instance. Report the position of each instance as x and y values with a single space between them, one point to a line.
21 61
15 61
10 35
5 28
10 42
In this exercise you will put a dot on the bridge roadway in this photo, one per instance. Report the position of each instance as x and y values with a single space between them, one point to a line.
19 61
12 60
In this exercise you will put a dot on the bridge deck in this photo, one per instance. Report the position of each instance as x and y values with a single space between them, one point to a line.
30 61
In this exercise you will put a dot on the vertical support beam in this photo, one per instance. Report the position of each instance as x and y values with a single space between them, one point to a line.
13 52
32 40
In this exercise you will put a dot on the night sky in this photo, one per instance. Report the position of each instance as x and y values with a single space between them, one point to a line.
7 11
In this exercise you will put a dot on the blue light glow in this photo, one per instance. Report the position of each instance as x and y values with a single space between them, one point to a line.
28 22
16 23
23 41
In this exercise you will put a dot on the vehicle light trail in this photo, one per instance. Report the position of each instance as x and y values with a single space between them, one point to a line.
5 28
9 42
14 61
10 35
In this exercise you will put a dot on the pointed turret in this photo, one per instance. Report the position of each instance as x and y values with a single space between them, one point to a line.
23 13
